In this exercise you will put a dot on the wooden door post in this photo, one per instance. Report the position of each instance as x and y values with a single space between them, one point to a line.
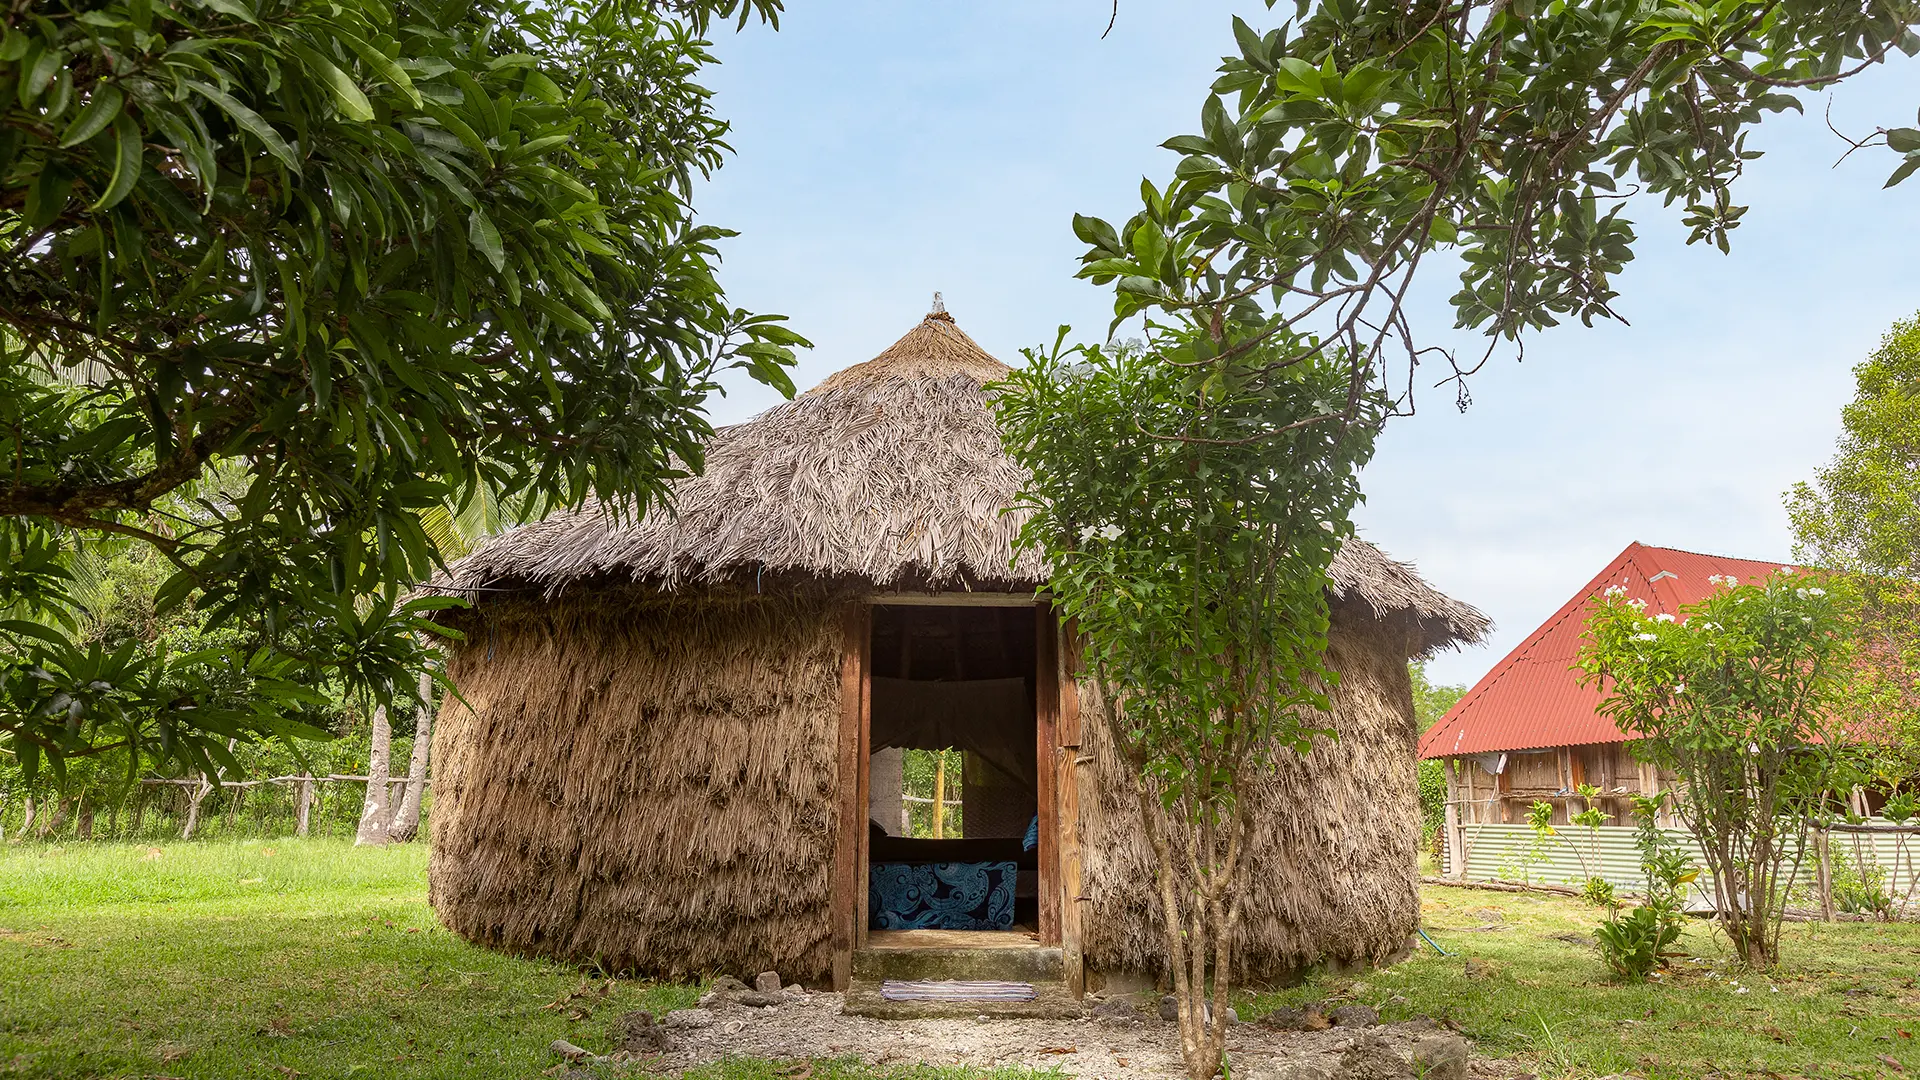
1068 739
1456 835
848 886
1046 759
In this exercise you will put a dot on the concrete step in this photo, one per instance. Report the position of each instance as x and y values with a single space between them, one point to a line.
966 982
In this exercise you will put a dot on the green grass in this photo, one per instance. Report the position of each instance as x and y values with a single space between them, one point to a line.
1846 995
250 958
247 959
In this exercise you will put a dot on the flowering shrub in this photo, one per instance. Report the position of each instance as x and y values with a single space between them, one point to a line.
1737 696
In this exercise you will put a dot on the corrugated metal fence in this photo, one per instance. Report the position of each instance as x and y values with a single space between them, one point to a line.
1508 853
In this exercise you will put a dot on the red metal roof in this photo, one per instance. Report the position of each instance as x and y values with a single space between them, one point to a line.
1533 698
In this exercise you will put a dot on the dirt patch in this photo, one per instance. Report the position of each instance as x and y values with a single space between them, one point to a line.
1119 1042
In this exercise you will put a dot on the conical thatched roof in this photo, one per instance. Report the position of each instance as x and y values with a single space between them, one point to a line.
891 472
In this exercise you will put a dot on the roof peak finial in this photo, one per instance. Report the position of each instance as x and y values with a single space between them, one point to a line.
939 310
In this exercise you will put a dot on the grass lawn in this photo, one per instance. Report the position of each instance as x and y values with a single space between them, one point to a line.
264 959
1523 985
308 958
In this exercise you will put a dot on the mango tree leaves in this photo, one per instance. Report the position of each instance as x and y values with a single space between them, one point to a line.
369 257
1337 151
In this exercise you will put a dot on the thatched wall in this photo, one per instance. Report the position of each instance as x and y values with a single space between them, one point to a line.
1333 875
649 786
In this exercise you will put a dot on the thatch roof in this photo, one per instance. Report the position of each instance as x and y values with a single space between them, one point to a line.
889 472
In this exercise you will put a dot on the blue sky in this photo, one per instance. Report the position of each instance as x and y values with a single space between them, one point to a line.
890 148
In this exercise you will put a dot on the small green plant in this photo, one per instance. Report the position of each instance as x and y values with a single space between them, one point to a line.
1520 867
1860 889
1599 892
1635 943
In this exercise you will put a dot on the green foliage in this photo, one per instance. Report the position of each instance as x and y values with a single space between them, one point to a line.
1631 944
1738 698
1336 151
367 259
1862 512
1189 516
1189 500
1862 515
1430 703
1861 889
1433 800
917 770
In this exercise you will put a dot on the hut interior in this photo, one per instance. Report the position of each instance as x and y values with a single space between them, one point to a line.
954 678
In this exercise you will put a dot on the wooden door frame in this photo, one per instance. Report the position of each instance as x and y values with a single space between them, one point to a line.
1062 750
847 890
1057 761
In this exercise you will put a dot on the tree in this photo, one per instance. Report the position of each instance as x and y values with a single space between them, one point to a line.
1862 512
1430 703
371 258
1740 698
1335 154
1861 515
1189 509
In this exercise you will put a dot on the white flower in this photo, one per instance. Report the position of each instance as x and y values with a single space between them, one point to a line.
1663 617
1773 989
1680 688
1808 619
1740 990
1616 590
1813 592
1108 532
1786 569
1753 748
1801 593
1646 637
1637 605
1327 525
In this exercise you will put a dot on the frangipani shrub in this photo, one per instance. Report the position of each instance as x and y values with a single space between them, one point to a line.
1736 695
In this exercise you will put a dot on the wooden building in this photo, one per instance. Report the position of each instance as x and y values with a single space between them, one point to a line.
1529 732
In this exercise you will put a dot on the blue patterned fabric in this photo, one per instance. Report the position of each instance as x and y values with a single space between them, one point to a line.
1033 834
941 896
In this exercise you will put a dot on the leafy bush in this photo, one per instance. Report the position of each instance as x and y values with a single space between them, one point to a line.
1633 944
1861 889
1599 892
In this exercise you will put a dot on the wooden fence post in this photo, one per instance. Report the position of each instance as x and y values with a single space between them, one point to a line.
303 805
1824 875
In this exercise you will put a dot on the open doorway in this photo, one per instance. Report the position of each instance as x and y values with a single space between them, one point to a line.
953 834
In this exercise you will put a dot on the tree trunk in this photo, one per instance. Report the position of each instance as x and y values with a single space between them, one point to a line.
376 814
59 818
27 823
139 810
303 805
406 820
198 796
83 819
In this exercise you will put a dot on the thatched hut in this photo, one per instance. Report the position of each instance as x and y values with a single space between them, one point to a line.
677 746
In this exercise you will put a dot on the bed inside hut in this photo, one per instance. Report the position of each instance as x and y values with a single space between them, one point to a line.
954 862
